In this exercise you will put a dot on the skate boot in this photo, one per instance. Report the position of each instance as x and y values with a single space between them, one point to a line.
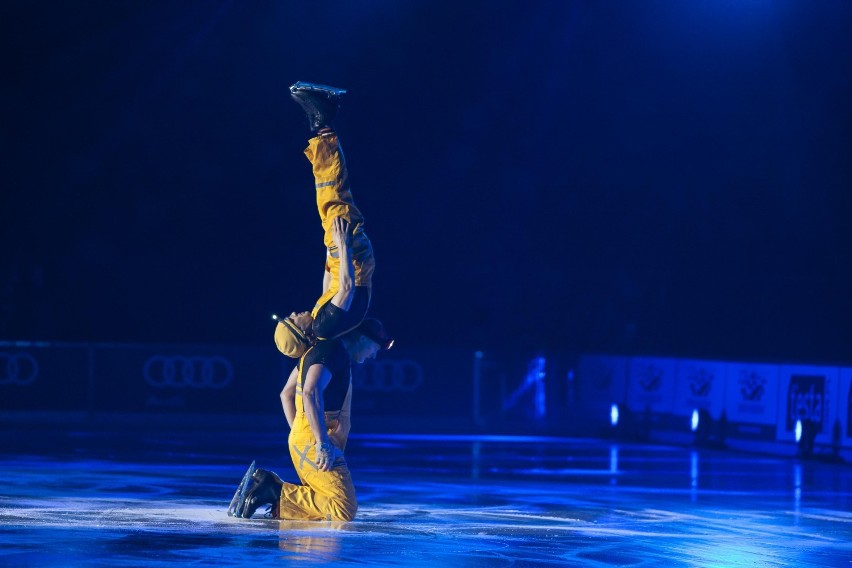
320 103
265 491
235 508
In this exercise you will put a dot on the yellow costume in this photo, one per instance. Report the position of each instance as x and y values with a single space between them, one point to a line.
323 495
334 199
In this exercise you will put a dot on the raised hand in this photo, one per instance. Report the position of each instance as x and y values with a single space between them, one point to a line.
340 231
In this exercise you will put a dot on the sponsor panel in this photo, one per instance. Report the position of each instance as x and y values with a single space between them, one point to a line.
179 378
844 407
182 371
389 375
651 384
18 368
411 382
699 384
602 380
43 377
807 393
752 393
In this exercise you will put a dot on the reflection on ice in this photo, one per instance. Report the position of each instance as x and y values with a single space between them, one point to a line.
439 502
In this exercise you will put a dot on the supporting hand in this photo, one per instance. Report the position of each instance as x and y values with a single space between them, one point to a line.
340 231
325 455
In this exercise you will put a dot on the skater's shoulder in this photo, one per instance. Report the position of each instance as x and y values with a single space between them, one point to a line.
326 348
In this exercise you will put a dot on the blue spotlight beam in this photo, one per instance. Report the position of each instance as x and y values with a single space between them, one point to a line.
534 379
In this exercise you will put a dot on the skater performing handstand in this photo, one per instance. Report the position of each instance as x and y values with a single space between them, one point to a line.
317 396
347 281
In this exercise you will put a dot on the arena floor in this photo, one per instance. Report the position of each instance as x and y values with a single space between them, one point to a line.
84 498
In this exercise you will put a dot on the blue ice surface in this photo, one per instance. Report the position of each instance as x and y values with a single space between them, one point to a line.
115 498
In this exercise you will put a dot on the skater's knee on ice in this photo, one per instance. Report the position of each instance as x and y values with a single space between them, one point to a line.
342 510
345 515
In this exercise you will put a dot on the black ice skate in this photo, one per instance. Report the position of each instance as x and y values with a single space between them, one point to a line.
265 491
320 103
235 509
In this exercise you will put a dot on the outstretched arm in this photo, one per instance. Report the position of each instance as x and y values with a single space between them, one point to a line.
316 380
346 289
288 396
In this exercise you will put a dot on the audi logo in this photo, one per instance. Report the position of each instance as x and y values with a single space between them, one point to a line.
17 369
389 375
195 372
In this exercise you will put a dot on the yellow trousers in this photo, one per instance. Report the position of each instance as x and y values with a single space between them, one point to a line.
323 495
334 199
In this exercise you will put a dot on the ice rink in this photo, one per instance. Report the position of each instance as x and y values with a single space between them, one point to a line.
128 498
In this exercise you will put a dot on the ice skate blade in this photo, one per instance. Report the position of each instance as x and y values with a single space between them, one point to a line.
235 509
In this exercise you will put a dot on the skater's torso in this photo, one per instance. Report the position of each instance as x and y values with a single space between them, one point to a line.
333 356
337 396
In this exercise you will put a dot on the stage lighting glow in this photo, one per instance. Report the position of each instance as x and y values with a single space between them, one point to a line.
613 415
806 433
534 380
708 432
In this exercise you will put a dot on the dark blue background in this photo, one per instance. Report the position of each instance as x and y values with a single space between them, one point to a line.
668 177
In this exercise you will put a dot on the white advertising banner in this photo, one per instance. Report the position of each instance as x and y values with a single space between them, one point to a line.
602 380
751 394
808 393
651 384
844 407
699 384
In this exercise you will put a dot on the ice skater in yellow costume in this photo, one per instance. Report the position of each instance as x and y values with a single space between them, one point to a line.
317 402
346 292
317 398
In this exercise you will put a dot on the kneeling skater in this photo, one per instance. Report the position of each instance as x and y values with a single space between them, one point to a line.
317 402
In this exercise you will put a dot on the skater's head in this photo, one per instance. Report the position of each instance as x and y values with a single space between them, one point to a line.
293 334
366 340
302 320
